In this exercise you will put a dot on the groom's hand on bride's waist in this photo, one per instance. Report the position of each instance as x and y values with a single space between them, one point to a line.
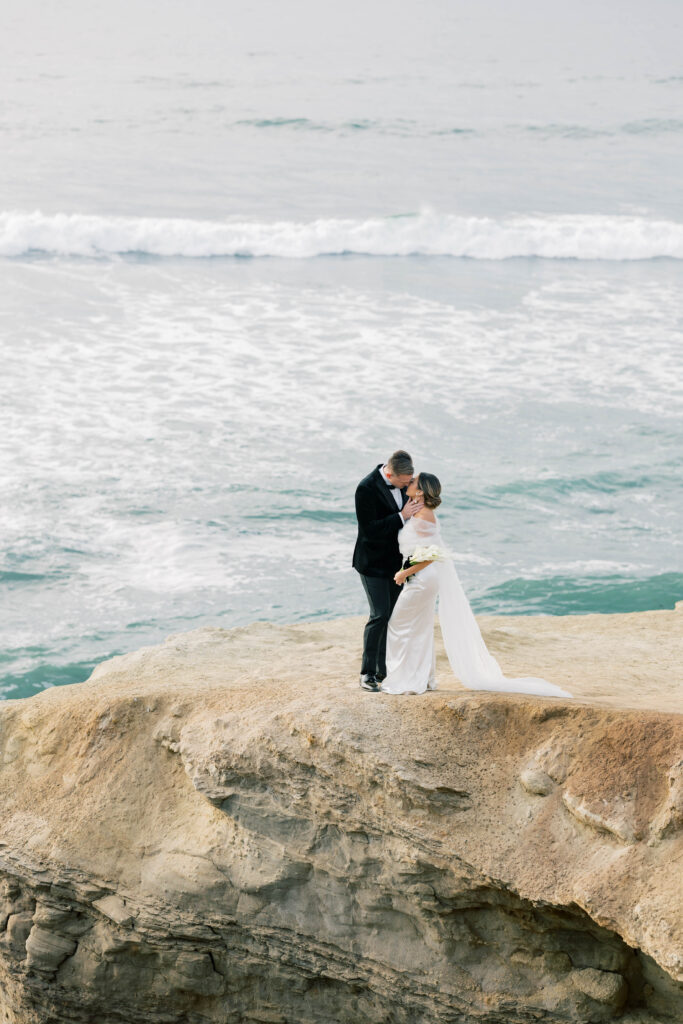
410 508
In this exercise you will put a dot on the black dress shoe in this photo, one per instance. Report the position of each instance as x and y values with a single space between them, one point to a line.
368 682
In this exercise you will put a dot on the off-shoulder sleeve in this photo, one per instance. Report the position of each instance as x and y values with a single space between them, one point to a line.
424 529
416 533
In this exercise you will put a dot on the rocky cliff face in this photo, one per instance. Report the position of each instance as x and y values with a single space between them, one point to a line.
212 831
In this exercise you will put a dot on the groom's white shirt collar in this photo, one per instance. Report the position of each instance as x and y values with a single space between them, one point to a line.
396 491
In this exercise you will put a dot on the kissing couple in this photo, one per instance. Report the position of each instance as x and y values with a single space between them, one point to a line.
404 567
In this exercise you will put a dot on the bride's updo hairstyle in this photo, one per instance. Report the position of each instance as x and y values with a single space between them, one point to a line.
431 489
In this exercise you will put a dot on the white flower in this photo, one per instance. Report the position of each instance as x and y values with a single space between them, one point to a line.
427 553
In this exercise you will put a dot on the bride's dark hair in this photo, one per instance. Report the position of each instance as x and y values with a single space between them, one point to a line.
431 489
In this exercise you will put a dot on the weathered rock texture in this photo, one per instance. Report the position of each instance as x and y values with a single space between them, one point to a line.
227 829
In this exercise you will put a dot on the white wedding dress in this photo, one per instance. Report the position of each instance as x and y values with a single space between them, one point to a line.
410 636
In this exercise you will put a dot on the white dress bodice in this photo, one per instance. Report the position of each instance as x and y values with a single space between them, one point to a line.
417 532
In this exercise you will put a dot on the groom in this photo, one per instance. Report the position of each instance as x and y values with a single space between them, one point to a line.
382 508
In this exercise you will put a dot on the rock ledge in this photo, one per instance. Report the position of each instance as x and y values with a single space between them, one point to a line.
198 834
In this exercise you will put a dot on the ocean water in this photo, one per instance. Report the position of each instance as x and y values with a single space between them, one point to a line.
246 253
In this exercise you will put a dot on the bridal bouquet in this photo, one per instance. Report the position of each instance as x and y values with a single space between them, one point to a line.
427 553
424 553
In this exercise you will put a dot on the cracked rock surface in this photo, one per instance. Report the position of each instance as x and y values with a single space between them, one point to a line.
225 828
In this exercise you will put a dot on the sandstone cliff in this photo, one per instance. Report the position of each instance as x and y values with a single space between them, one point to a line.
226 828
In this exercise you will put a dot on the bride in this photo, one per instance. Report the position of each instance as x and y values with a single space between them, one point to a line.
410 636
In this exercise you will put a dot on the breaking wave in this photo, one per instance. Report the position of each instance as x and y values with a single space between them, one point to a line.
565 236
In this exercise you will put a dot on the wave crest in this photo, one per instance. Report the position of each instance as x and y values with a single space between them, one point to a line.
562 236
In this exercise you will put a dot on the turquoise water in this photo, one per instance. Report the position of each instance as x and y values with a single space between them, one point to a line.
244 260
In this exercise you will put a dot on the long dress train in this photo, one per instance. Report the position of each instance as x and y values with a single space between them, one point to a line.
410 636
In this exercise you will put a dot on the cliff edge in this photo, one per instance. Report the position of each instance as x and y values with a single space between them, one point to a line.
226 828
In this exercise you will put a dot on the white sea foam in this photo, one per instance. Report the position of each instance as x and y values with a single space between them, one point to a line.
567 236
165 428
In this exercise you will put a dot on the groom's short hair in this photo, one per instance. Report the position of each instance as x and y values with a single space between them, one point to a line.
400 463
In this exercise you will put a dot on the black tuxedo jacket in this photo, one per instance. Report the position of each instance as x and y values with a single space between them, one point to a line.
376 552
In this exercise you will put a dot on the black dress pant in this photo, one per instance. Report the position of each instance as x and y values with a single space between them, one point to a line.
382 595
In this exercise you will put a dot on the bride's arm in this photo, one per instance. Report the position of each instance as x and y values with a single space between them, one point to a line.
403 574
